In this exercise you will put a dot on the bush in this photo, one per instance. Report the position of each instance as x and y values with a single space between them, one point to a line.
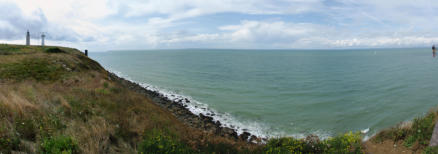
417 136
157 142
287 145
431 150
9 144
26 129
57 145
422 129
347 143
54 50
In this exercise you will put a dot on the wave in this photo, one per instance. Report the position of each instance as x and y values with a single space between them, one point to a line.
226 119
198 108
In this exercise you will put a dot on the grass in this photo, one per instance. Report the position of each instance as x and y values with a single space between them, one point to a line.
415 136
64 102
58 145
14 49
45 95
39 69
9 144
346 143
26 129
431 150
156 141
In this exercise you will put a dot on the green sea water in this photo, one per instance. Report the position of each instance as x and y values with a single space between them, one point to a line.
290 92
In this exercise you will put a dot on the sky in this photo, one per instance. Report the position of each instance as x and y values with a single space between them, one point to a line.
102 25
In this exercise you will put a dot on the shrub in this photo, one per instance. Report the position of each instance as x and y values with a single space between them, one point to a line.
347 143
157 142
80 109
418 134
9 144
60 144
102 91
26 129
422 129
105 85
287 145
54 50
115 90
431 150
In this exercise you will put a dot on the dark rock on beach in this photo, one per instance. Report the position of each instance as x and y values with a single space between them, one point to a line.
204 122
244 136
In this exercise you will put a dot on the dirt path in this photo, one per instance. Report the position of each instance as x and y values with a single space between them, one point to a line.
434 139
386 147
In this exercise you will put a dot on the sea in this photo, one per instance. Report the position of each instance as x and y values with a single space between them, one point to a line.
282 93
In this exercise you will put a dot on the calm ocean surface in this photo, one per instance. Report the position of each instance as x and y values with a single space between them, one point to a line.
291 92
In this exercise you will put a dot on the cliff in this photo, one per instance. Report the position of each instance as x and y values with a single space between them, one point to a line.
57 100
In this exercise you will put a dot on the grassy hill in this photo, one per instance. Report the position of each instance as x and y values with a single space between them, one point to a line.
57 100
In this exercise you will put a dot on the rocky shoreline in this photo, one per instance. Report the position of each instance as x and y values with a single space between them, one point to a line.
179 110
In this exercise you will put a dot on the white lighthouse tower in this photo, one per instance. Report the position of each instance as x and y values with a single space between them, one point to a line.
42 39
27 38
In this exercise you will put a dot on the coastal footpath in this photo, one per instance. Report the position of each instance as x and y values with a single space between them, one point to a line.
57 100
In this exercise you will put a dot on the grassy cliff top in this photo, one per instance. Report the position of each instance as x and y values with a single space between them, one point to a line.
57 100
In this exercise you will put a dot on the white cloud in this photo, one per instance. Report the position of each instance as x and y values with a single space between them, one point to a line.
191 8
104 24
265 30
384 41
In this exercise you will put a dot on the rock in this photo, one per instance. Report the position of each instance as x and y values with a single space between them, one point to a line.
229 132
180 111
218 123
312 139
253 139
244 136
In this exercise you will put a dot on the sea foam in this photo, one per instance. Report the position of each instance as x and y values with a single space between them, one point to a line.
226 119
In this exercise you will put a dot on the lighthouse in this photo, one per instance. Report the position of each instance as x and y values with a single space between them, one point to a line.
42 39
27 38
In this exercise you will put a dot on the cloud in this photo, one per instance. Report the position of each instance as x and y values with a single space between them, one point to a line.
14 24
114 24
190 8
269 31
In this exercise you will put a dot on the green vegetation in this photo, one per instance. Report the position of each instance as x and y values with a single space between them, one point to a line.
36 68
9 144
415 136
157 142
13 49
58 145
54 50
26 129
57 100
347 143
431 150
